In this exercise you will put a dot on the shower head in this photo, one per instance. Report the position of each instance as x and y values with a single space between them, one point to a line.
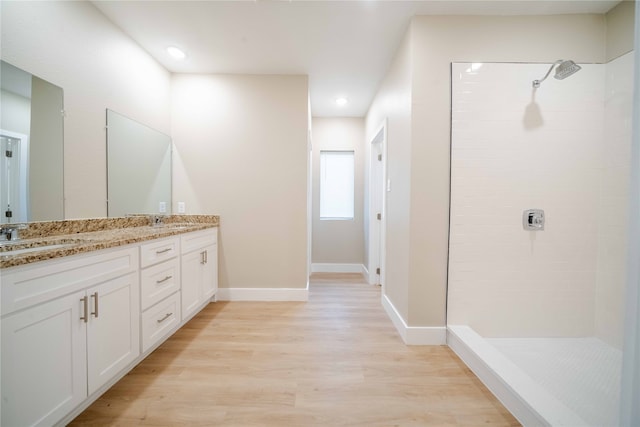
564 70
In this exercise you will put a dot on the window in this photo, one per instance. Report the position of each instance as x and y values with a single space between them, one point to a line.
336 184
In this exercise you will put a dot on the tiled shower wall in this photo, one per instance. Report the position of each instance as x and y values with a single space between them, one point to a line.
516 148
614 196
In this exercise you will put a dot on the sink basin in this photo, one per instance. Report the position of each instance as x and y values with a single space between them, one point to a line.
25 246
175 226
34 249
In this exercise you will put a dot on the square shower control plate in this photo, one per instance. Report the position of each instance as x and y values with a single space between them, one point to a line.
533 220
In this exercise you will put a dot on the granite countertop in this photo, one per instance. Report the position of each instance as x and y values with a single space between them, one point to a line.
55 239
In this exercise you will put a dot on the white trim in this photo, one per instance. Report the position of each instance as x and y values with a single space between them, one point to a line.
531 404
377 236
319 267
414 335
263 294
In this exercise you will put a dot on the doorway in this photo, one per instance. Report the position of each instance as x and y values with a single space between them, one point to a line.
14 191
377 206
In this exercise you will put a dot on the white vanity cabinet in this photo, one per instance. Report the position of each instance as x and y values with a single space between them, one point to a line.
72 326
68 327
199 270
160 290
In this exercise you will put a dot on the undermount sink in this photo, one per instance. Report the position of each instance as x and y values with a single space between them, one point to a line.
175 226
22 246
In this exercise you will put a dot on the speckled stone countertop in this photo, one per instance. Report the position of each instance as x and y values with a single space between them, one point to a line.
69 237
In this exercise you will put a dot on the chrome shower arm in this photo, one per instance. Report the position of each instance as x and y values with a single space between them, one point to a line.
536 83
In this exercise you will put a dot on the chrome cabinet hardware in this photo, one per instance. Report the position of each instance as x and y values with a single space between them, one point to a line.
85 311
203 257
163 251
95 304
163 280
166 316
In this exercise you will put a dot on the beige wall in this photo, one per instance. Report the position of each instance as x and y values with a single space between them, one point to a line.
74 46
418 213
241 152
392 103
339 242
620 29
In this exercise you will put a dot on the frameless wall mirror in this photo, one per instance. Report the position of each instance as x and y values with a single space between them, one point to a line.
138 168
31 147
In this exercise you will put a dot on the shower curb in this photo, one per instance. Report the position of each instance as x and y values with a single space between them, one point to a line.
523 397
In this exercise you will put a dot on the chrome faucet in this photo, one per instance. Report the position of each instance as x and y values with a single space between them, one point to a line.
157 220
10 231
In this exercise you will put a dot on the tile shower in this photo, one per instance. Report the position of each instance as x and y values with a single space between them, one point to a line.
548 305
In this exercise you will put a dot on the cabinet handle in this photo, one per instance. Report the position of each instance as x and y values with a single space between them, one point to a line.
163 280
95 305
166 316
163 251
203 257
206 257
85 306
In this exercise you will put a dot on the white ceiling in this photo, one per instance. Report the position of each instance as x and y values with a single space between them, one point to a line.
345 47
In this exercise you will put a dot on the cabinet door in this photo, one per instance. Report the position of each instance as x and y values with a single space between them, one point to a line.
191 282
44 362
209 272
113 331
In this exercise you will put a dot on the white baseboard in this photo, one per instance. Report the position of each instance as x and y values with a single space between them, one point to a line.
523 397
263 294
319 267
414 335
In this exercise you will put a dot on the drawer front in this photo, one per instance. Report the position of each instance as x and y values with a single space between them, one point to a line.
158 282
158 251
198 239
160 320
44 281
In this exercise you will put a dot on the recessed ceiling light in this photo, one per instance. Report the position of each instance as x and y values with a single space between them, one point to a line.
176 53
341 101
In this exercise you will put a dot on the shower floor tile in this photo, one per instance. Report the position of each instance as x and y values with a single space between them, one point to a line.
582 373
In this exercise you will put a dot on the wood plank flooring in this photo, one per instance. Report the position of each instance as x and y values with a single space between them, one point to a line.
335 360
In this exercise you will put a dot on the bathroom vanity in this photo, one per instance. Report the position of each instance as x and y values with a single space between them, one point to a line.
80 309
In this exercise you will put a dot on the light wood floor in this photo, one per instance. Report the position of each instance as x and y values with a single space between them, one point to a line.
335 360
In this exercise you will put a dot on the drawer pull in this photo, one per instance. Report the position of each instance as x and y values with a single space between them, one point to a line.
163 280
95 313
85 305
166 316
162 251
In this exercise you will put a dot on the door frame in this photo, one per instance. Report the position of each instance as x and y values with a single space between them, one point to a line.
24 204
377 235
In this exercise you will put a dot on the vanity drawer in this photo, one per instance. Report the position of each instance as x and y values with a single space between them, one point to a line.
158 251
32 284
160 320
158 282
198 239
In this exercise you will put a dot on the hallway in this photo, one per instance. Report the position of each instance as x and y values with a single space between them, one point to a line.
334 360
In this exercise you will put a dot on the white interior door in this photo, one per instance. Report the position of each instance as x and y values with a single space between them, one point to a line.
14 185
377 207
